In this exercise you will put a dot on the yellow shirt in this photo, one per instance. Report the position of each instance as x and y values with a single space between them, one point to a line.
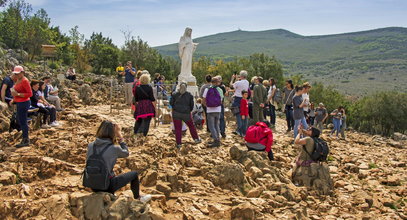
120 69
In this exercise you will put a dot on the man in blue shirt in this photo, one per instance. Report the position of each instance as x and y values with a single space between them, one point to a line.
129 74
6 85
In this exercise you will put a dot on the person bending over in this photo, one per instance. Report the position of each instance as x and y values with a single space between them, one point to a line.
259 137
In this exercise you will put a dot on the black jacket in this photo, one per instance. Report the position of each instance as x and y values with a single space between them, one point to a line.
183 104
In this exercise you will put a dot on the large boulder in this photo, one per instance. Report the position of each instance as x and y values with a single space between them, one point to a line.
85 94
226 175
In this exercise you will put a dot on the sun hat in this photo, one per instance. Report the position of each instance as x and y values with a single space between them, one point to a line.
18 69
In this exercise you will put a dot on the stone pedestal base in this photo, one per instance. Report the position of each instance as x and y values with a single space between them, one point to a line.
191 82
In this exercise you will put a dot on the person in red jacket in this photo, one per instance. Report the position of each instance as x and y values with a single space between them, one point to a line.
259 137
21 93
244 113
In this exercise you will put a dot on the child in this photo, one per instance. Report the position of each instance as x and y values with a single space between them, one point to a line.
244 113
197 114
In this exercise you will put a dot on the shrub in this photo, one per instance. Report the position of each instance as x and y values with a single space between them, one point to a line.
382 113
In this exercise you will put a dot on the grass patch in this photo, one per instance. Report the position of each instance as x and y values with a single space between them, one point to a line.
372 165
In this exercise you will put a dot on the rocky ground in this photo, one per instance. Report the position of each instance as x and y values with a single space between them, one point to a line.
43 181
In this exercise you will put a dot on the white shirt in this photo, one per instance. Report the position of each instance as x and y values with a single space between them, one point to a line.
239 86
271 91
211 109
305 97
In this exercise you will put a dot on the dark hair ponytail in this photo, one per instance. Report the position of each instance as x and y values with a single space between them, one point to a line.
298 88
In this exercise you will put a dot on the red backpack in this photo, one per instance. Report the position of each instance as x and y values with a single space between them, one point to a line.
255 133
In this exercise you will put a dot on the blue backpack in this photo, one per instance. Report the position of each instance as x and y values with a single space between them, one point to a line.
213 98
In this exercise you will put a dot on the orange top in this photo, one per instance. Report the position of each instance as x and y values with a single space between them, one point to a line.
24 89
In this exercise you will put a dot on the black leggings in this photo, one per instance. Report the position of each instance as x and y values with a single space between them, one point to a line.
142 125
270 154
121 180
48 111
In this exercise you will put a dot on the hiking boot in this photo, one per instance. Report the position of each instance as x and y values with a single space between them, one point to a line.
178 146
223 135
216 143
197 141
25 142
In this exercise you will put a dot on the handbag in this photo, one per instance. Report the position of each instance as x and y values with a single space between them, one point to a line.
235 110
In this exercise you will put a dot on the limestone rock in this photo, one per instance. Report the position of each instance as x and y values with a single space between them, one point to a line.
256 192
150 179
85 94
243 211
164 187
255 173
7 178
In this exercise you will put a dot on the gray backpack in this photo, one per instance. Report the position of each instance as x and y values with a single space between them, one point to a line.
96 175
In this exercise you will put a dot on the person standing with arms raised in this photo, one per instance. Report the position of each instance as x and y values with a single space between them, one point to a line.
21 93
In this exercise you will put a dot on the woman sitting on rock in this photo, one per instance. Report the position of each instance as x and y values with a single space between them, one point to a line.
259 137
182 103
308 172
144 102
106 136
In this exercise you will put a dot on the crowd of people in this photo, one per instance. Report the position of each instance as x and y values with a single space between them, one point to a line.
253 105
28 98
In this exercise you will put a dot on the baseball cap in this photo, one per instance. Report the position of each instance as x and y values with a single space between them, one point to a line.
18 69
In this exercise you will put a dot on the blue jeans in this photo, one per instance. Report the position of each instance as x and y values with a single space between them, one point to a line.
222 124
289 117
337 126
297 123
243 128
236 103
22 110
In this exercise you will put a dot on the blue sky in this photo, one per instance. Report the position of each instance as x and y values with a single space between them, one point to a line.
162 22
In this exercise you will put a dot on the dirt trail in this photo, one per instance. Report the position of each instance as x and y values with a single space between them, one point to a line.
42 181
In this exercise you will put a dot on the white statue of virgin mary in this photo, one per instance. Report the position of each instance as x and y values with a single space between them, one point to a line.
186 50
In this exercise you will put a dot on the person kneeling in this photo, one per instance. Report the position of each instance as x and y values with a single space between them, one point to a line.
102 156
259 137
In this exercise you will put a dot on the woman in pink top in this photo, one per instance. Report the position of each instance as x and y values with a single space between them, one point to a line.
21 93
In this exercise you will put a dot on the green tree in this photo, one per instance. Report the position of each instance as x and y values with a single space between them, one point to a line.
104 55
13 24
382 113
37 33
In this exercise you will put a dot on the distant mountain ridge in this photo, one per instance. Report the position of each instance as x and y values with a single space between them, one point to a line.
358 62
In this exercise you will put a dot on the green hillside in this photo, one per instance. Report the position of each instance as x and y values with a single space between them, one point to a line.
356 63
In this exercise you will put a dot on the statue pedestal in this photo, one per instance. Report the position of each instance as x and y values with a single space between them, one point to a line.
191 82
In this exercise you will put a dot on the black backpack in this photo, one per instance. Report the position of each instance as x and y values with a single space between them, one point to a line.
96 175
321 150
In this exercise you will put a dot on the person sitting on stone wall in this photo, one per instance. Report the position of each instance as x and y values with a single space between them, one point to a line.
38 101
259 137
51 94
70 74
106 136
6 85
307 172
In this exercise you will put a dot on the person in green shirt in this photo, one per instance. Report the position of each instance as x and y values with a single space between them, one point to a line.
259 98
